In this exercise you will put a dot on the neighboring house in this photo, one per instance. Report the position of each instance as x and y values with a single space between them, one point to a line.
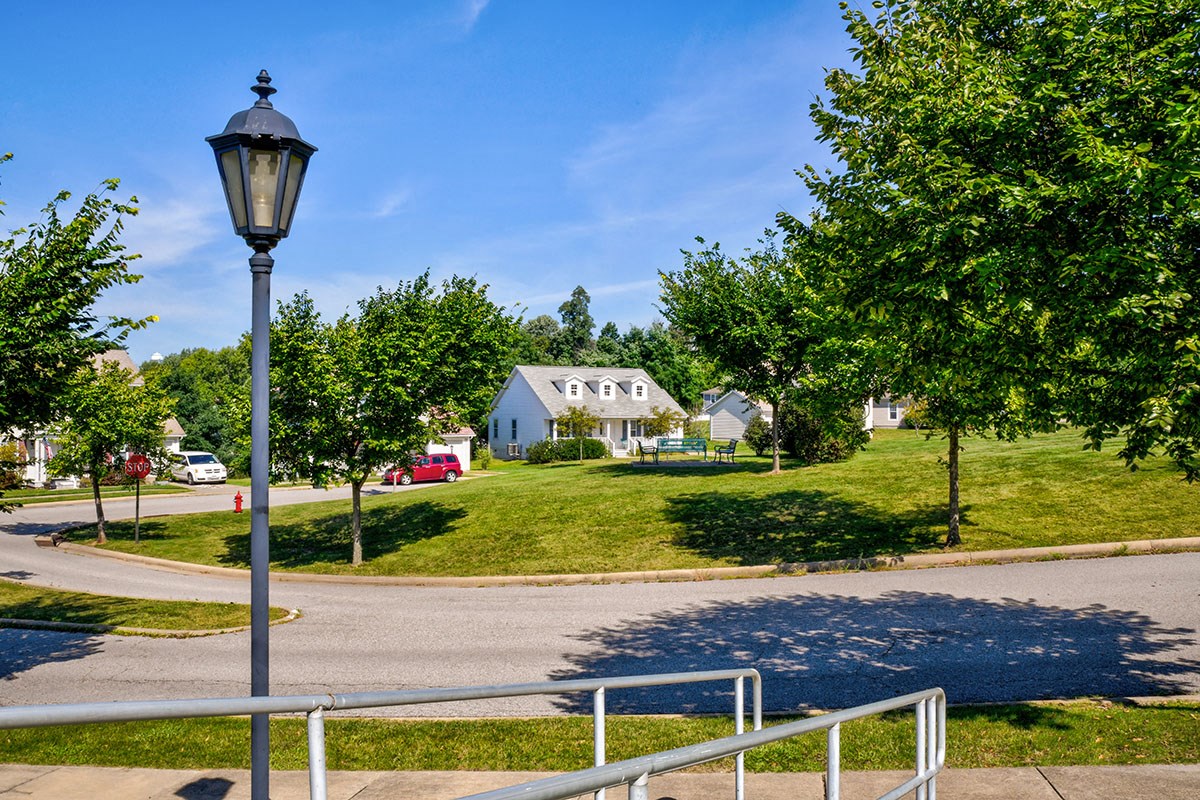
457 442
524 410
36 449
887 412
730 413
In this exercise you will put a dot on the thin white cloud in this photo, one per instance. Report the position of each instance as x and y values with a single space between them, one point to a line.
168 231
472 10
392 203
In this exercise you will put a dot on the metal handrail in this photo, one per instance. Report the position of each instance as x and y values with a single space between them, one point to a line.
315 706
634 772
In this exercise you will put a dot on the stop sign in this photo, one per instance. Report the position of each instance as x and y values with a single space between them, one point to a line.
137 466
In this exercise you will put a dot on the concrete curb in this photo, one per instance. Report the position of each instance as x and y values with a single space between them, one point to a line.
123 630
917 561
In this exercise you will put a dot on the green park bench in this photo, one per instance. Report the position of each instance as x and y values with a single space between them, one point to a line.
681 446
725 450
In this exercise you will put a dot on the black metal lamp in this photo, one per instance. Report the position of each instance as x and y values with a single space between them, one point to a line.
262 161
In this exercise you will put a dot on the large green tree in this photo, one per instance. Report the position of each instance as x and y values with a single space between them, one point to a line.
352 397
767 325
111 413
1015 211
51 274
574 340
204 385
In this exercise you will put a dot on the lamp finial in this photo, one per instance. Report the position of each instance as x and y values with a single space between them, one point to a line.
263 89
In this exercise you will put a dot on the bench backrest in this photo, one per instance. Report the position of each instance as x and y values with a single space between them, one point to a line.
683 443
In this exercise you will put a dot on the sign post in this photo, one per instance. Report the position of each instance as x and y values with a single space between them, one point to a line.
137 467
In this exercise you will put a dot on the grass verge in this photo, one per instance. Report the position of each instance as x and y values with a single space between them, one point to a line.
611 515
23 602
1080 734
35 496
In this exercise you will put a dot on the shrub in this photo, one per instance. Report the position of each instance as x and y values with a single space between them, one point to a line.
758 435
485 456
542 452
548 450
816 439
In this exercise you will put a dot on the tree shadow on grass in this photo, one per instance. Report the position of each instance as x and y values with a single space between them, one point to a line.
798 525
832 651
385 529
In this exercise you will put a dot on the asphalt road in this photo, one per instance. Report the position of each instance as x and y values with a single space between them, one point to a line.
1108 627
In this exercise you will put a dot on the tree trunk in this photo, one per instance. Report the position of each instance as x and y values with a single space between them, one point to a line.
101 536
775 470
952 537
356 521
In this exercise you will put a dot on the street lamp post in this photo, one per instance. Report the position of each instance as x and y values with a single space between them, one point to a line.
262 161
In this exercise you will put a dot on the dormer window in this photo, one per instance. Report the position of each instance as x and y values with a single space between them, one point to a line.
639 391
573 389
607 391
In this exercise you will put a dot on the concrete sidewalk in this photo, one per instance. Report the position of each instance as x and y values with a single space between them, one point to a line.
1160 782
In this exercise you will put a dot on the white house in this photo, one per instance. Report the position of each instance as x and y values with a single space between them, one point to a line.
524 409
730 413
887 412
457 442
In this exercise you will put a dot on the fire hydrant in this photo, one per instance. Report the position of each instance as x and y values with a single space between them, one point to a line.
237 503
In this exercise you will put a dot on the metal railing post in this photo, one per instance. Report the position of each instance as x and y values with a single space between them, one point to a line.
739 726
317 777
640 789
936 724
922 735
599 747
833 762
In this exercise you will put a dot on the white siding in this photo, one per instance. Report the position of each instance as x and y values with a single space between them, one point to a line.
729 417
458 445
520 403
881 412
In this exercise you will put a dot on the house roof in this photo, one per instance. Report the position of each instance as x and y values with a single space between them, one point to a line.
122 360
543 381
734 396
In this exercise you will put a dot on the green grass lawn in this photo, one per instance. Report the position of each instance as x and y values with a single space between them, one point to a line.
610 515
982 736
33 496
23 602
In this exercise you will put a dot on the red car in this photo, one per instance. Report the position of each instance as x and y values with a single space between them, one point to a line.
442 467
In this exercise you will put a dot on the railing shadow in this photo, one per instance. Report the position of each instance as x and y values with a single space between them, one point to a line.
839 651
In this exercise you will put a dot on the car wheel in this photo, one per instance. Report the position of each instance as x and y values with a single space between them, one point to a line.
451 476
191 481
405 479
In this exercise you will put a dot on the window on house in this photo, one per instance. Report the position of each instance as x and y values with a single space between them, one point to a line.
574 390
553 429
496 428
893 411
639 392
608 390
514 430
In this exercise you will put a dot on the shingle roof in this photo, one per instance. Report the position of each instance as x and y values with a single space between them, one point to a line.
543 380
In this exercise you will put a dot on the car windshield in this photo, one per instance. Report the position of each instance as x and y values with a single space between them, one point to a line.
203 458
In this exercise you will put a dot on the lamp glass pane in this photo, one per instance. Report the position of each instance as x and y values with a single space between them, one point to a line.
235 189
290 188
264 179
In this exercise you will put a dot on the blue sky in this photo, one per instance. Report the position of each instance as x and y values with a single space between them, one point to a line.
535 145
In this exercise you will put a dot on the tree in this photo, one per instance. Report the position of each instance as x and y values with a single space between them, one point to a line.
661 421
767 324
352 397
111 414
204 385
665 354
575 338
51 274
758 435
1016 212
577 422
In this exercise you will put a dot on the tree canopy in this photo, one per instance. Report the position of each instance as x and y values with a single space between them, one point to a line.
1015 211
352 397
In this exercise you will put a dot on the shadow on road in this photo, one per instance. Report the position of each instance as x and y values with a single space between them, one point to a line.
835 652
22 650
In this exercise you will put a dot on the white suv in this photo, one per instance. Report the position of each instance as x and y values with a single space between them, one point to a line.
197 467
